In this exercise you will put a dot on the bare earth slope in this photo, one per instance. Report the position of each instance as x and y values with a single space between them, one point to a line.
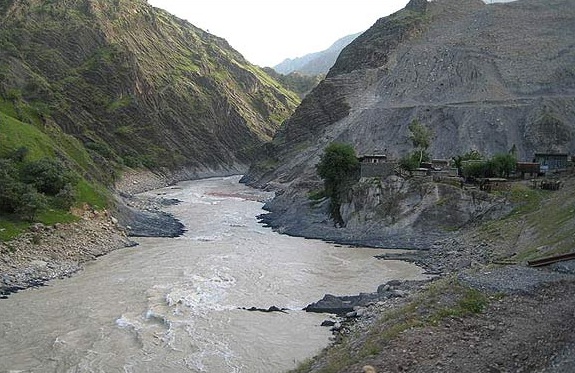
483 77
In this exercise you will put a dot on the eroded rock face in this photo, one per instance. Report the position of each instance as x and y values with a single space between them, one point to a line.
391 213
420 204
481 77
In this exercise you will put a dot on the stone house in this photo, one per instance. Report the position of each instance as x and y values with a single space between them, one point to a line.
551 162
376 165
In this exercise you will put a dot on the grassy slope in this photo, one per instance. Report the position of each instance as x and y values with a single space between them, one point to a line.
51 143
542 224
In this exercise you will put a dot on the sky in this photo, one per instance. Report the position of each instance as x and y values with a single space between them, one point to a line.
267 32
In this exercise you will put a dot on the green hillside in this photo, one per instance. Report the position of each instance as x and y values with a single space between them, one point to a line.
98 87
136 85
24 148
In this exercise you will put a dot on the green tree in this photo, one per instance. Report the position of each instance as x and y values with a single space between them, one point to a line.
46 175
31 202
472 155
503 164
11 189
500 165
420 137
412 161
338 167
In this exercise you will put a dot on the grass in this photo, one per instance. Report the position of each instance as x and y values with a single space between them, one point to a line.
548 217
11 227
97 197
15 134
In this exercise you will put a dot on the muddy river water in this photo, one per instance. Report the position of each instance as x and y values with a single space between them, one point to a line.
174 304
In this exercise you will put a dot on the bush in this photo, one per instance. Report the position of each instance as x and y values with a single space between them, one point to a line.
412 161
66 197
31 202
500 165
46 175
11 188
337 165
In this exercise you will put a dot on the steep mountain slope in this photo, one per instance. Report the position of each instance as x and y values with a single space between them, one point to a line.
137 86
315 63
297 82
483 77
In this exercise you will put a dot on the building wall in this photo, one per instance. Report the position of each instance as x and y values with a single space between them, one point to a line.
377 169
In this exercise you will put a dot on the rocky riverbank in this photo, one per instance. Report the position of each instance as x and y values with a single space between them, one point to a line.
485 310
48 252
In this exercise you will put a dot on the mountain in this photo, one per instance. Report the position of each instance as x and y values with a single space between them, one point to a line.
136 86
315 63
297 82
483 77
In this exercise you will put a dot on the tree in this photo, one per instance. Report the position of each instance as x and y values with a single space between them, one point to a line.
413 160
420 137
472 155
46 175
338 167
31 202
503 164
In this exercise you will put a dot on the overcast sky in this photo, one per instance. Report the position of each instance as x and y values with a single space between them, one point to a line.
267 32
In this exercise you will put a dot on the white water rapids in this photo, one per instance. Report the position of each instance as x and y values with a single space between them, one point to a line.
172 305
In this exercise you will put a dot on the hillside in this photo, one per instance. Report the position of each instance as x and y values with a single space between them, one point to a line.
297 82
136 86
483 77
317 63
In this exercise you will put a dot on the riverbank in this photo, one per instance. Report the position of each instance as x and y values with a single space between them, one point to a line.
487 310
49 252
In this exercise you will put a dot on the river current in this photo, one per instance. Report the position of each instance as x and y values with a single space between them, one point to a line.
174 304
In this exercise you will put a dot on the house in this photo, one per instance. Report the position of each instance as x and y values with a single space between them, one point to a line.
373 158
551 162
376 165
524 168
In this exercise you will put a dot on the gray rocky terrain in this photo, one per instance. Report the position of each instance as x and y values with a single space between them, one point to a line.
485 77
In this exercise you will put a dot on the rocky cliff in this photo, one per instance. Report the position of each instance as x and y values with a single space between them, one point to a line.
138 86
480 77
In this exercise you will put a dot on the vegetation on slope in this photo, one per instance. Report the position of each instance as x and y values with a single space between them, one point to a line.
42 176
136 85
90 88
297 82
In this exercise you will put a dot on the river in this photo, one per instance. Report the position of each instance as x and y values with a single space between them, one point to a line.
174 304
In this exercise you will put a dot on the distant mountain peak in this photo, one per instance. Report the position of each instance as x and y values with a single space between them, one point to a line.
315 63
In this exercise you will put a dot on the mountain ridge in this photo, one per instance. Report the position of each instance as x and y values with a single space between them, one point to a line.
153 89
461 68
316 63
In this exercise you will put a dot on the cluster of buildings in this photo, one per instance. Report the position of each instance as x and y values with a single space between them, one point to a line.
379 165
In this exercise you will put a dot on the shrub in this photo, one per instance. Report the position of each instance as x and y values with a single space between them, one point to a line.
412 161
46 175
31 202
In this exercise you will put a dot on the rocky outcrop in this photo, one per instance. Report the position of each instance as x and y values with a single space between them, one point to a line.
349 305
403 213
49 252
